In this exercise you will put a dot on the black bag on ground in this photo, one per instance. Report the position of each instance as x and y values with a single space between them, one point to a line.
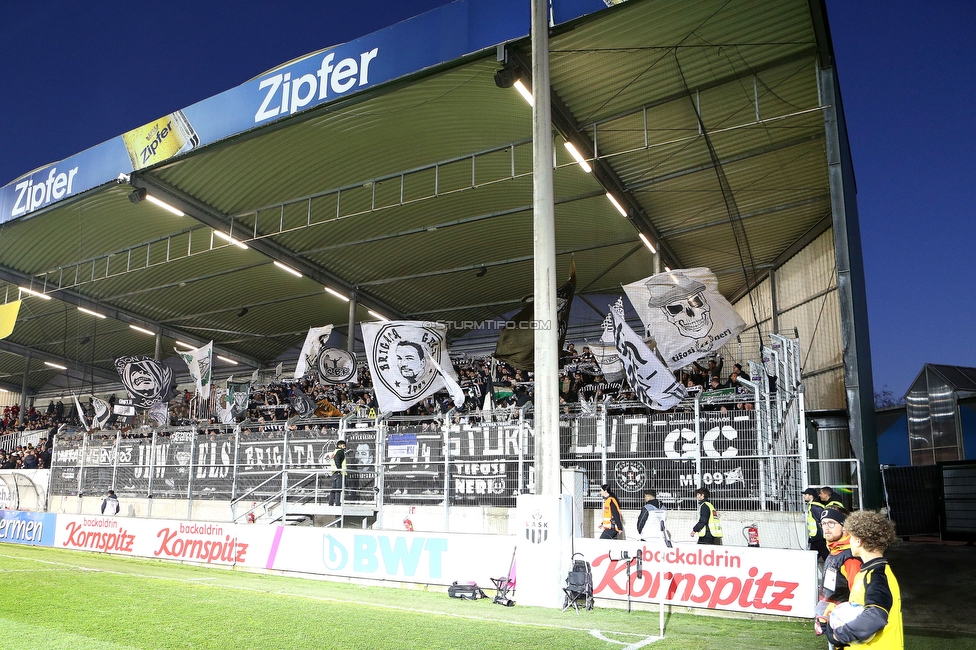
467 592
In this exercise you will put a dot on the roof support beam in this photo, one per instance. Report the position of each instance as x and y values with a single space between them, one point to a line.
213 218
76 369
566 125
129 318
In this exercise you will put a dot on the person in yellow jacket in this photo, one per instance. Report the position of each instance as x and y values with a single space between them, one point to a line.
709 528
337 463
613 522
879 624
829 498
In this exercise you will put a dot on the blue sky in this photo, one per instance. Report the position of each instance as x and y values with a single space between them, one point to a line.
73 75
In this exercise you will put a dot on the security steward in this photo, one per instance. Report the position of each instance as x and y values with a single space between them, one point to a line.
708 528
613 522
337 463
829 498
815 538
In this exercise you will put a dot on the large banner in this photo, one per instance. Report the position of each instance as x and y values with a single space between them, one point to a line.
739 579
685 313
409 362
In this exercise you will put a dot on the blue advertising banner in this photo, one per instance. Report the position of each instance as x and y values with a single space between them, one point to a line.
32 528
430 39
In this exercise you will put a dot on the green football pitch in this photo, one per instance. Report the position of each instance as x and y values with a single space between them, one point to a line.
52 598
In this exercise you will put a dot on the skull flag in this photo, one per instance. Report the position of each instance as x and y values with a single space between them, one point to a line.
685 314
650 380
400 355
147 381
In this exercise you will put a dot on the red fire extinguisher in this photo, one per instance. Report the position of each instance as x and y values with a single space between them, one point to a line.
751 533
407 523
250 517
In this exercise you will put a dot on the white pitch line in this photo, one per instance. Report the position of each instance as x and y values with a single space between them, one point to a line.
595 633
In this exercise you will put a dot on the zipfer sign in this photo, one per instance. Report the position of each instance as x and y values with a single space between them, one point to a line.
752 580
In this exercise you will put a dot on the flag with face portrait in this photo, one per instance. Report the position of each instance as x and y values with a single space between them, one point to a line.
147 381
685 314
652 382
315 341
409 362
199 361
301 404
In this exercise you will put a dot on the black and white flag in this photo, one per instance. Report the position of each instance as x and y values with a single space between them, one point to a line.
685 314
301 404
652 382
147 381
315 341
409 362
103 412
337 366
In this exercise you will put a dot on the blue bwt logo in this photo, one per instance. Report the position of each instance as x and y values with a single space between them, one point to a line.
386 555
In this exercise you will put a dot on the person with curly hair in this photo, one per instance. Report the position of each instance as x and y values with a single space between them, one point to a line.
879 624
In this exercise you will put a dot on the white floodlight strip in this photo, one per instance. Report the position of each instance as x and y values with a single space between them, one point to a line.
35 293
578 157
619 207
375 315
142 329
54 365
667 269
164 205
91 313
186 345
337 294
284 267
525 92
230 239
225 359
647 242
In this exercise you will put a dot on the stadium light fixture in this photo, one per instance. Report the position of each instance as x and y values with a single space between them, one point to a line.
525 92
667 269
54 365
91 313
375 315
337 294
142 330
186 345
284 267
35 293
578 157
226 360
228 238
647 242
617 205
165 206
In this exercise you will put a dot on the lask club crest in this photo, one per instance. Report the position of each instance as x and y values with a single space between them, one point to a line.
537 529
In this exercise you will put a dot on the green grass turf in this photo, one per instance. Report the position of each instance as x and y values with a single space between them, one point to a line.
51 598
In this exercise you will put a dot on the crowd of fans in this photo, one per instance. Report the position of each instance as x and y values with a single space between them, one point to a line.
582 385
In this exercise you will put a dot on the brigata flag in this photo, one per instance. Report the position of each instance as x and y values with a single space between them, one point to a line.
685 314
199 361
314 342
652 382
516 343
409 362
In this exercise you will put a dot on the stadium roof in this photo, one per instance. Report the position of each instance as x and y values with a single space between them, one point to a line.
405 176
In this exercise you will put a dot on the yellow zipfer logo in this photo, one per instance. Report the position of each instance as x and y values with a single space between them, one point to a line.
159 140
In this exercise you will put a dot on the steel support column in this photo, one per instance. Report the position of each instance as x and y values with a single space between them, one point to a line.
858 378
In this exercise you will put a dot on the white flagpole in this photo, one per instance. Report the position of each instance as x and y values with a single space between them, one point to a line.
546 394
